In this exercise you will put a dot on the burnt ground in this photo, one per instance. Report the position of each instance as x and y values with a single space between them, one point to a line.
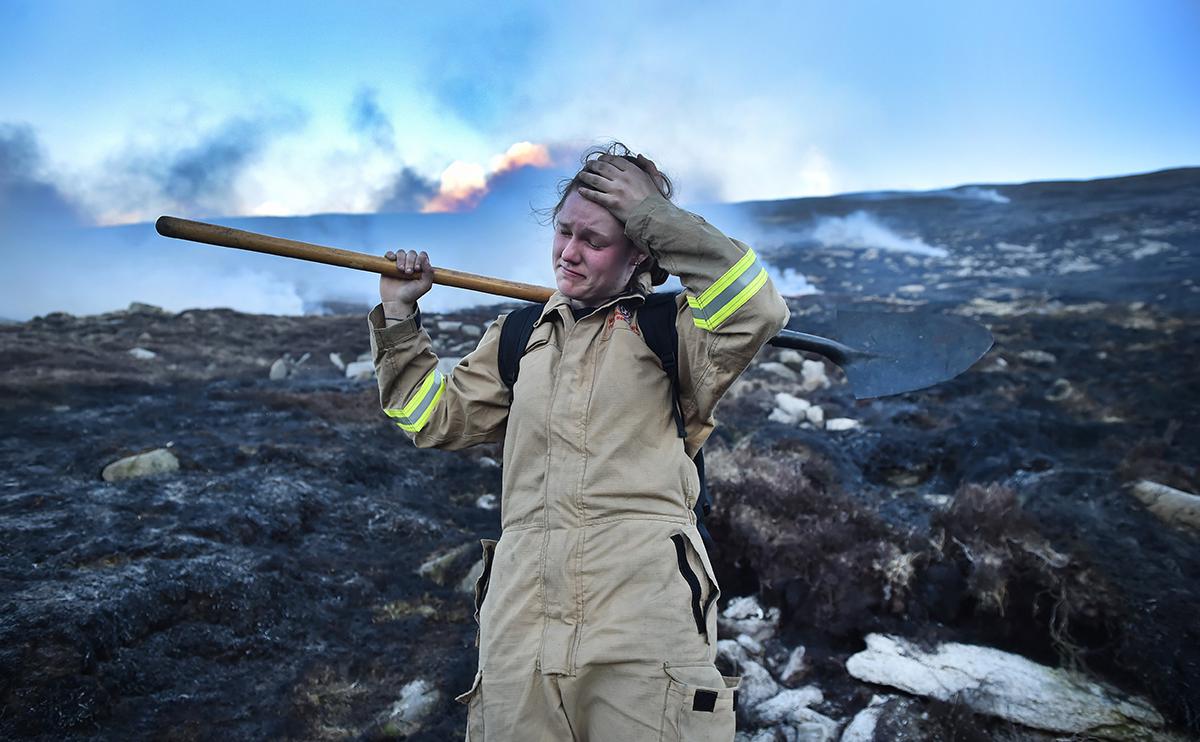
269 588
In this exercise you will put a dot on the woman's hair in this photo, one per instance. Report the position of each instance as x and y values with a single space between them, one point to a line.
616 149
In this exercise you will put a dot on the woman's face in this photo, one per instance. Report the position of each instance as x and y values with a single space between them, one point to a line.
593 259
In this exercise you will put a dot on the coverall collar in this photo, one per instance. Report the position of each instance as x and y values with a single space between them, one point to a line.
638 289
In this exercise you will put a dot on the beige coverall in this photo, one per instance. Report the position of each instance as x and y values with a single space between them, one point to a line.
597 605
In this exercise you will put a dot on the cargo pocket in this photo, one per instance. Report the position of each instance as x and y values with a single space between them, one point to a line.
701 704
484 579
703 585
474 703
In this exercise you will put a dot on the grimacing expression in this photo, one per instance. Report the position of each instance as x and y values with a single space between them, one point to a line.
593 259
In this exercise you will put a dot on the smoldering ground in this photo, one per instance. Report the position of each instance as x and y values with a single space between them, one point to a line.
273 586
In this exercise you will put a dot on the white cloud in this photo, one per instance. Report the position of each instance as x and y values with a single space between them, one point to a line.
710 108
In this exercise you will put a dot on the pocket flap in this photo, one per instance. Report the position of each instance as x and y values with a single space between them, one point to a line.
481 584
465 698
690 548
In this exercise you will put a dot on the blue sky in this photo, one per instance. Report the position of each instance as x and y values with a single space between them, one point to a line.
120 111
769 101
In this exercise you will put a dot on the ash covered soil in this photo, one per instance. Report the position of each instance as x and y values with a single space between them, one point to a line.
306 573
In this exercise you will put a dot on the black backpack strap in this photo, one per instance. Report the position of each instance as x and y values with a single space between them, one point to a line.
656 320
514 337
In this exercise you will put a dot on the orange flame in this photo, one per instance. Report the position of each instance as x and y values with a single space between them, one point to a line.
464 184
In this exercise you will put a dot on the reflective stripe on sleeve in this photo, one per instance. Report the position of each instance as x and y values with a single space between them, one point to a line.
413 416
730 292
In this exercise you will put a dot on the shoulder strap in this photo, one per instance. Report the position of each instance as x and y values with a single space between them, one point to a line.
656 320
514 336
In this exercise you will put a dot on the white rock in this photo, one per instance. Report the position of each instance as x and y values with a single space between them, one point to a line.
791 358
488 461
471 331
862 727
815 415
745 616
142 354
158 461
364 356
360 370
791 708
447 364
1168 503
820 729
761 735
467 584
279 369
841 423
779 416
487 502
448 325
778 369
814 376
417 701
757 684
791 409
795 667
1060 391
792 405
994 364
751 645
1038 357
437 567
997 683
783 705
732 651
1150 247
743 607
336 360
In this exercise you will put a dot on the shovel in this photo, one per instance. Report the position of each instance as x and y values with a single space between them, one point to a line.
882 354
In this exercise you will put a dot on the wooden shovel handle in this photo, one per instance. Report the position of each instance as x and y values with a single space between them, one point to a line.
213 234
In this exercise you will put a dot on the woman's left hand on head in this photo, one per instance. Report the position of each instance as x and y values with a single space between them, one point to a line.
616 184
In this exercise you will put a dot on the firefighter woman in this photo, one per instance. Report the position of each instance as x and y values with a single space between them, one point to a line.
597 605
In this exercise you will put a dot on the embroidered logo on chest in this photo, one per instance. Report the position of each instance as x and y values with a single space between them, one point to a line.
623 312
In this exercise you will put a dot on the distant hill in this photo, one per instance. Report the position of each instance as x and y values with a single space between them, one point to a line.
1081 238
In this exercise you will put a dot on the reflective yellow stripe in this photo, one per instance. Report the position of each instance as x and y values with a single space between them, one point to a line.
734 304
729 293
424 418
730 276
413 416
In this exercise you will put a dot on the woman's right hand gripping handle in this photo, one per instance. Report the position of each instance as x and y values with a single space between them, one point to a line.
399 295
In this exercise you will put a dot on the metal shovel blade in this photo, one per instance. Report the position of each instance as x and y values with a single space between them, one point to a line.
884 354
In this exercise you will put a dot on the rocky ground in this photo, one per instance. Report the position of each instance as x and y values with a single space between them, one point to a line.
296 569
